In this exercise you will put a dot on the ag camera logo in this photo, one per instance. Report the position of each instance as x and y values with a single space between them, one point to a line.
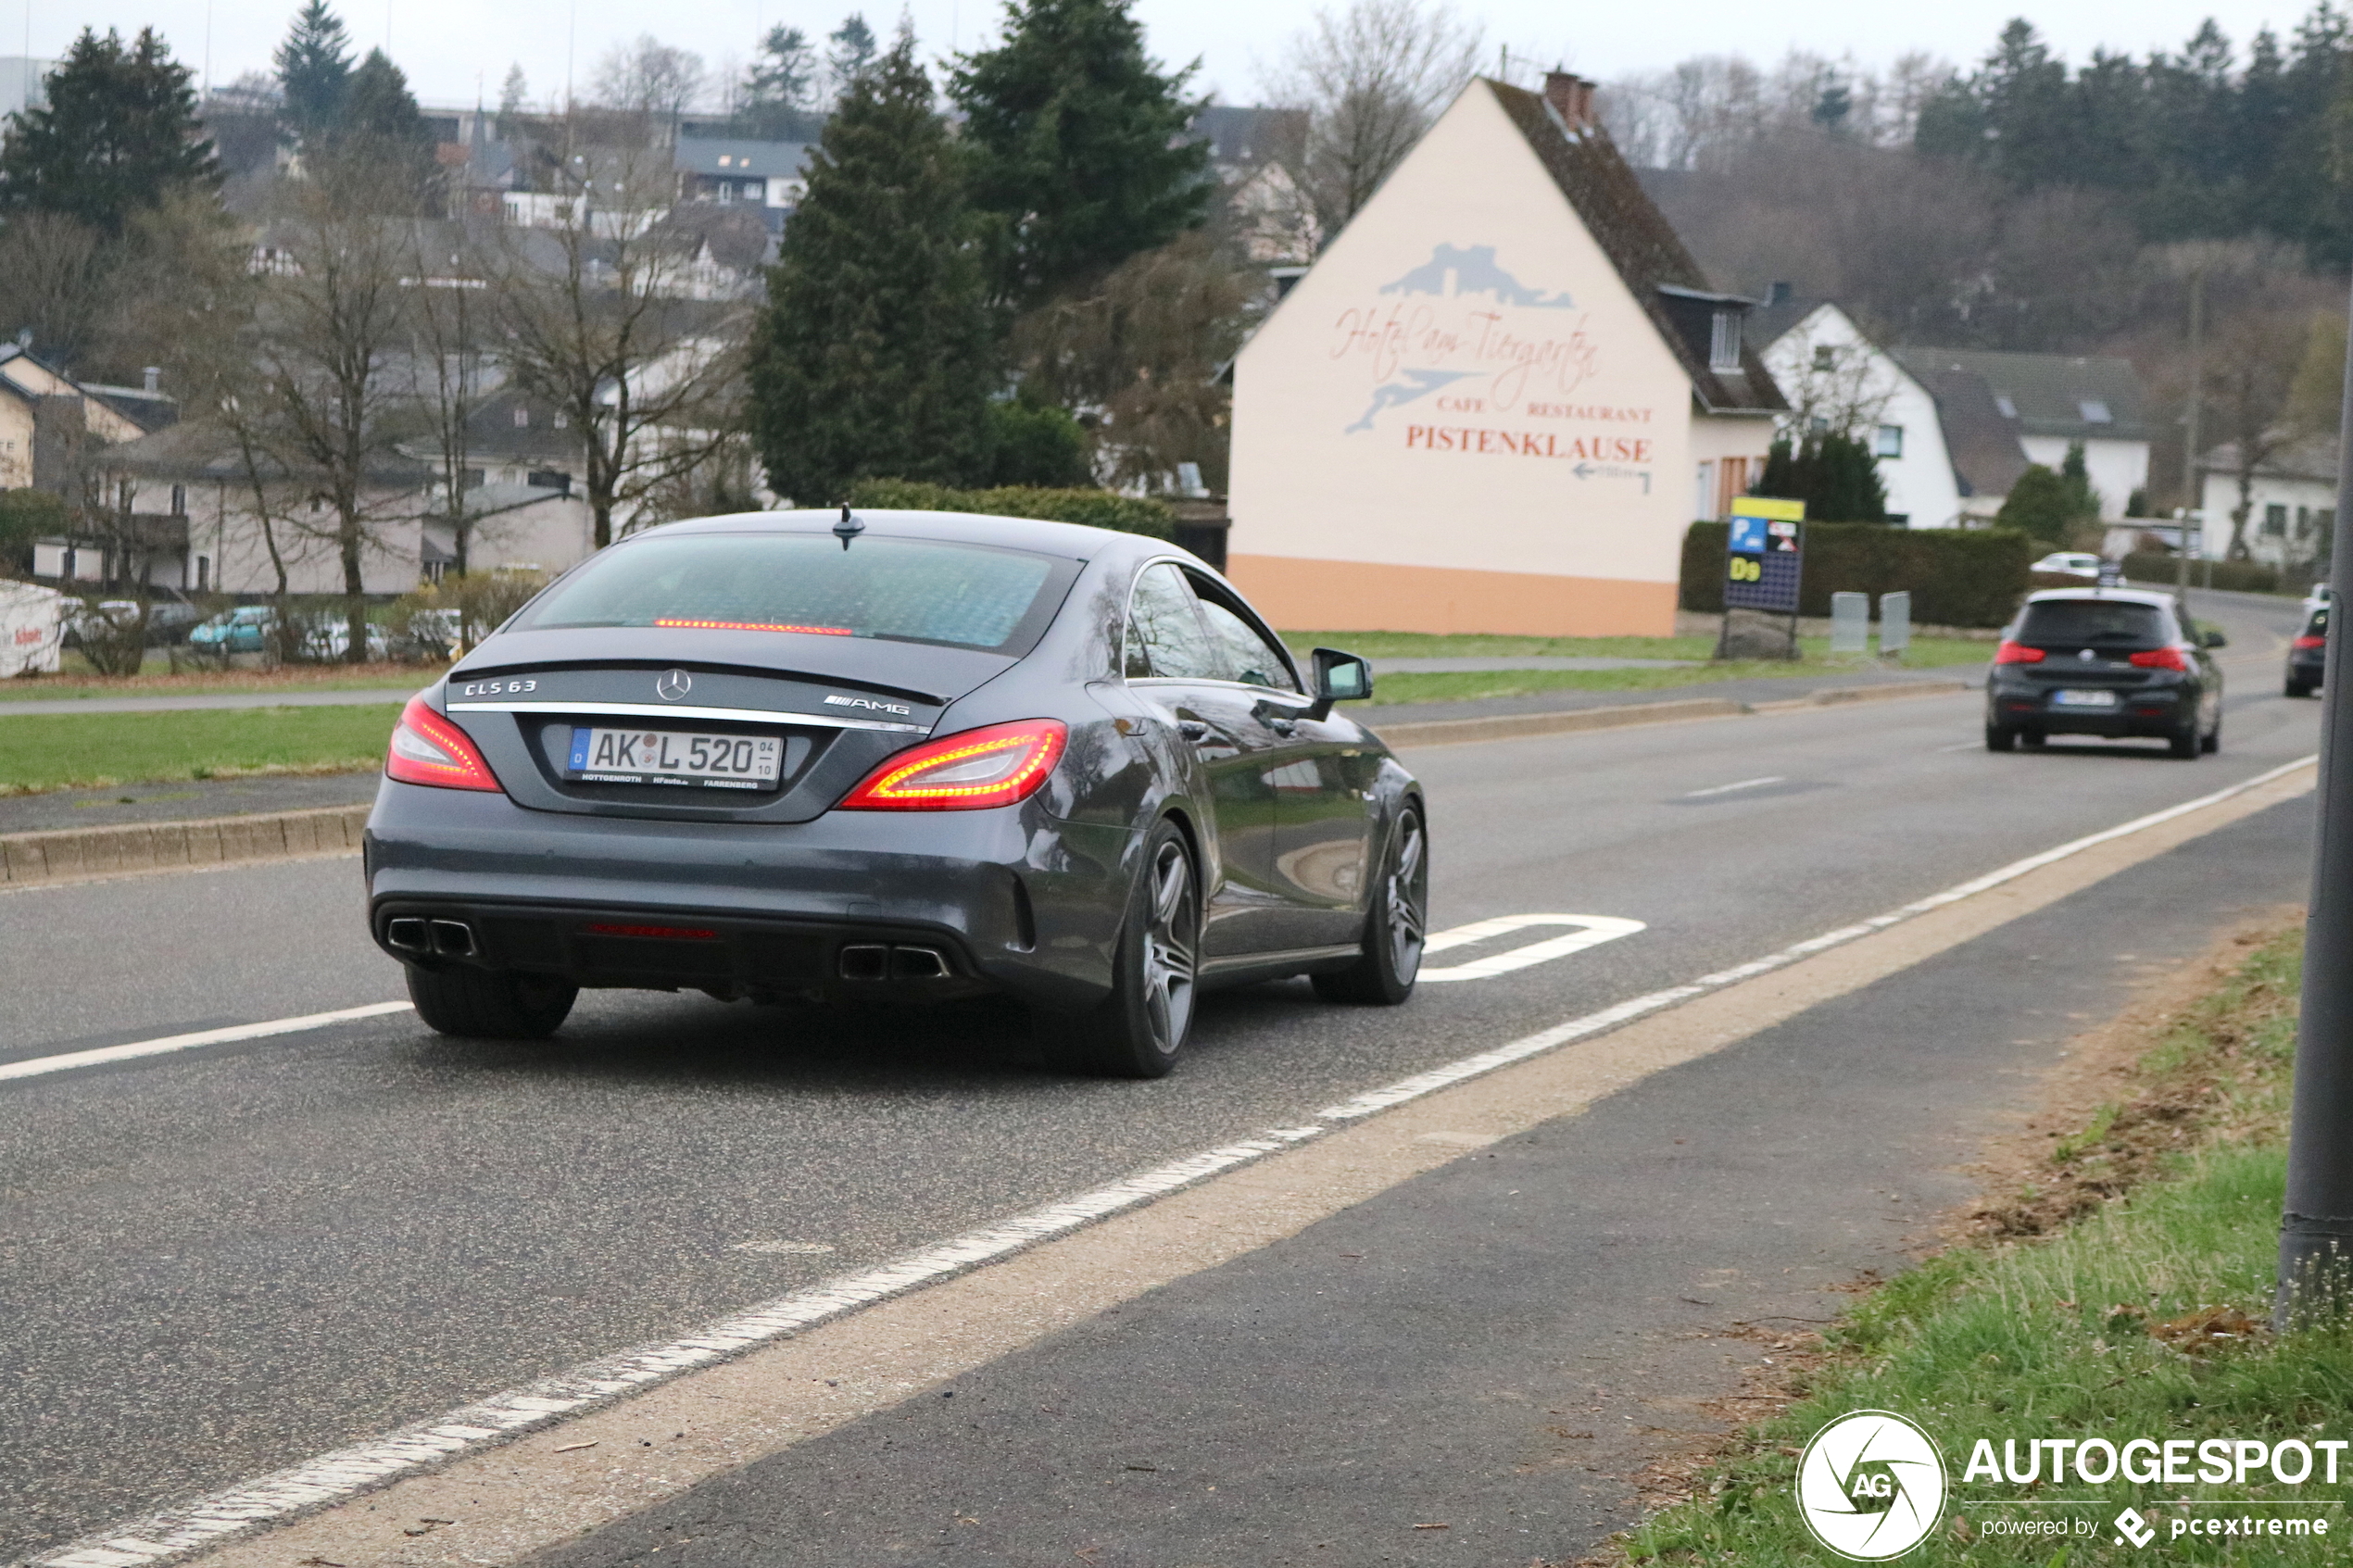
1871 1486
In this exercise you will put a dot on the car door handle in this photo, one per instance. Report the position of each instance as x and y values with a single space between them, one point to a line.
1192 730
1283 727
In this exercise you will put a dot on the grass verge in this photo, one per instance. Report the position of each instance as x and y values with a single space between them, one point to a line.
41 751
75 679
2121 1293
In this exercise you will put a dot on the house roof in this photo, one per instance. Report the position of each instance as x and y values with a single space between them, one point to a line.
200 450
1243 135
1774 319
1980 440
2313 459
1649 256
740 159
2078 397
148 410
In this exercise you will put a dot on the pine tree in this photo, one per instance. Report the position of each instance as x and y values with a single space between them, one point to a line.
781 88
314 70
119 135
1835 475
852 54
514 100
380 125
1079 145
874 354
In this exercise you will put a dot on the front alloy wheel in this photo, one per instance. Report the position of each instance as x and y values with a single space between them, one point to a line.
1396 927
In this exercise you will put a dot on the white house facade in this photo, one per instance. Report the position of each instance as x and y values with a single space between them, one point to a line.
1497 400
2056 400
2291 503
1828 366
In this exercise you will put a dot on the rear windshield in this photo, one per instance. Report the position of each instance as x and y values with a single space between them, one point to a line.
2090 622
902 590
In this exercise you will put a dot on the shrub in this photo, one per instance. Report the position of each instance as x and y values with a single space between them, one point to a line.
1032 444
2162 570
1957 577
27 515
1095 508
2040 503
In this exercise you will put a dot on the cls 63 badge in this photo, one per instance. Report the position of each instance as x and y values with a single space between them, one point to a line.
499 688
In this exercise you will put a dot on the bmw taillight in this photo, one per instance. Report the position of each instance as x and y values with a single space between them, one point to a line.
2017 653
997 765
428 749
2162 658
2311 642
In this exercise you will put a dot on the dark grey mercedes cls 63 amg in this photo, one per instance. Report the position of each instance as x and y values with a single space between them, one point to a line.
895 757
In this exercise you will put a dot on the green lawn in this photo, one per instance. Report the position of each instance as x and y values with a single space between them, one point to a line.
75 679
44 752
2106 1328
1471 685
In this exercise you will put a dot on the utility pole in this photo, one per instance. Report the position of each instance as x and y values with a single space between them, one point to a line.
2190 489
2316 1228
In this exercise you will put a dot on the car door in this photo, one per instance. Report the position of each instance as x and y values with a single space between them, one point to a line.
1174 663
1321 821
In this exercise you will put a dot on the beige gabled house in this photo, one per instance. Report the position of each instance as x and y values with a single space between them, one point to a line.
1499 399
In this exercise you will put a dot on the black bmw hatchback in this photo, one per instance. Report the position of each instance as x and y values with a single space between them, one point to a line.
2104 661
895 757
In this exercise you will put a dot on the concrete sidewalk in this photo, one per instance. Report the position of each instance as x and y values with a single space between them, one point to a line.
1476 1367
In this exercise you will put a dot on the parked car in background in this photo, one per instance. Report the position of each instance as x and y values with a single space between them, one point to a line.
170 620
246 629
92 620
2309 653
2070 563
2104 661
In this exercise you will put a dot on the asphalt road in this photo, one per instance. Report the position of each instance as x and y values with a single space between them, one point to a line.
217 1263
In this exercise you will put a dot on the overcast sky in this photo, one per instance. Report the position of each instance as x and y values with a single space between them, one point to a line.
452 49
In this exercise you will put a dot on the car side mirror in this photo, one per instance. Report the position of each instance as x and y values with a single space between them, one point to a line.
2213 639
1340 677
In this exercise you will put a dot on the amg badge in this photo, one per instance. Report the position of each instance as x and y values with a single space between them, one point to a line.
868 702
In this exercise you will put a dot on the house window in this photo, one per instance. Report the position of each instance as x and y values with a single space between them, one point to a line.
1891 442
179 500
1703 492
2096 412
1825 358
522 418
2275 521
2303 521
204 574
2009 409
1724 342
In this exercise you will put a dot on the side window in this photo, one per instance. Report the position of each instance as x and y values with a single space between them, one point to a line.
1165 635
1248 657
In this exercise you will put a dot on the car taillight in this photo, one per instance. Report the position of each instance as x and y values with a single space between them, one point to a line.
2017 653
428 749
2162 658
996 765
2311 642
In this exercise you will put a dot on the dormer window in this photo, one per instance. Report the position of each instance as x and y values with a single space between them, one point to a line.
2009 409
522 418
1825 358
2096 412
1724 342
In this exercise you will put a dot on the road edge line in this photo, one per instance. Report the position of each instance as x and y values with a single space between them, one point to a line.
41 1066
221 1517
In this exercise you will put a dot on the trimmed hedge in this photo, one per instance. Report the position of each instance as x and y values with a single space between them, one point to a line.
1957 577
2241 576
1095 508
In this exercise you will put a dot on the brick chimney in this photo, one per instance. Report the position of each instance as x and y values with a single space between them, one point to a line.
1571 96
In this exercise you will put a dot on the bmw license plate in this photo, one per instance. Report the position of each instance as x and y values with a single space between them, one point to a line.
2083 699
671 756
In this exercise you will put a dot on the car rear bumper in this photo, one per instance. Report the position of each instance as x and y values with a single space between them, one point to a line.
881 906
2150 712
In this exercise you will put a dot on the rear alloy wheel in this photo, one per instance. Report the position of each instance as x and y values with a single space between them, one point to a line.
1138 1031
1395 927
2000 738
475 1006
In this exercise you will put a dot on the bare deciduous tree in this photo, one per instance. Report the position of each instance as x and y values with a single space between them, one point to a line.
649 78
615 317
1372 79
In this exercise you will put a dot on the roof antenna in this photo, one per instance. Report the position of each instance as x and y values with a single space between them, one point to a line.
848 527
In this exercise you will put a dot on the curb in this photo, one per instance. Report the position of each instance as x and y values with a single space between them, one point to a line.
1514 726
31 859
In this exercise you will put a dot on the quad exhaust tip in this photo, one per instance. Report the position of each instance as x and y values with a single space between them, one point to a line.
413 933
872 960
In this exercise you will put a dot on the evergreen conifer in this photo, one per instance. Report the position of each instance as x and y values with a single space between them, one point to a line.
314 70
873 356
1078 143
119 135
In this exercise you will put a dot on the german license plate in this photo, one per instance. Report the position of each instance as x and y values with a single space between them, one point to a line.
671 756
2083 699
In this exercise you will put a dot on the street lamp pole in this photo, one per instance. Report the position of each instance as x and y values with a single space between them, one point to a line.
2316 1228
2192 500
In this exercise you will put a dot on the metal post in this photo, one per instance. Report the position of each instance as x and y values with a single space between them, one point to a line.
2316 1230
2193 502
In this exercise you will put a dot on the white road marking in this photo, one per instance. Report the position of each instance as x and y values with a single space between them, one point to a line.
209 1521
37 1066
1965 746
1593 930
1727 789
793 1248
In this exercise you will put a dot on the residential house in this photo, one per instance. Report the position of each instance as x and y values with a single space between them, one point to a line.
766 178
1498 398
2056 401
1834 376
46 418
1256 154
2290 500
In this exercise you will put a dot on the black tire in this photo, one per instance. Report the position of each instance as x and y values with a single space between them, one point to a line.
2296 688
2213 741
475 1006
1138 1031
2000 738
2032 740
1395 924
2185 745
